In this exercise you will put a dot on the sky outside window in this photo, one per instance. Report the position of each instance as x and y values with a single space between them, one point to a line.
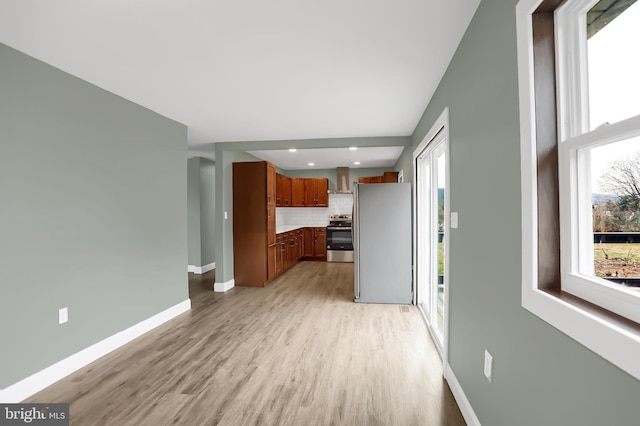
614 85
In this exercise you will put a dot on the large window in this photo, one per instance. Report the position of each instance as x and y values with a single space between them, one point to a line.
599 151
580 140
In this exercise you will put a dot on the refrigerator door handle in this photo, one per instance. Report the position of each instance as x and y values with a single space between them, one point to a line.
356 247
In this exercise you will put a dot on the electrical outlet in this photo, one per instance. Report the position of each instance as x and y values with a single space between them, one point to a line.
63 315
488 365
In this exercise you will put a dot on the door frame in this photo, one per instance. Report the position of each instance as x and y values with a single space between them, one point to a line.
440 125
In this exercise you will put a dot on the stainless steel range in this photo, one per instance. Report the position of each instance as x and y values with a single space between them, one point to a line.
339 238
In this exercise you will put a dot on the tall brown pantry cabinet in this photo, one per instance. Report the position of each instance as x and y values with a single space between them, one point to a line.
254 223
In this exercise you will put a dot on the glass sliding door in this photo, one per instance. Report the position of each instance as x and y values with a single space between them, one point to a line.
439 222
423 249
431 235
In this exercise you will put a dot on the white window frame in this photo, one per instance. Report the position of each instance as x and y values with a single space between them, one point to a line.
575 140
576 233
614 341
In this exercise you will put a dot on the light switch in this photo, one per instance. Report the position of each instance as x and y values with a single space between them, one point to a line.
488 365
454 220
225 216
63 315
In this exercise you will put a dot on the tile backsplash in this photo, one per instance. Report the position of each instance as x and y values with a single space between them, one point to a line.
314 216
302 216
340 203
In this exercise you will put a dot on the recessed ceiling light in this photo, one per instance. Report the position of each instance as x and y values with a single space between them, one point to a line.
312 164
353 148
292 150
356 163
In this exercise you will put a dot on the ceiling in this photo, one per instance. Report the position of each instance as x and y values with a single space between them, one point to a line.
329 158
251 70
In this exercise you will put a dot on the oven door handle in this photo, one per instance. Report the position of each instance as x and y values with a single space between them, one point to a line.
338 228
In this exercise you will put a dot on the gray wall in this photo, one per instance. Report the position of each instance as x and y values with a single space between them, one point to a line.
93 214
540 376
227 153
201 203
207 210
193 211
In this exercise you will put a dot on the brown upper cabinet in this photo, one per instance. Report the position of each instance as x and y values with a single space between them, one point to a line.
279 193
323 192
315 192
309 192
297 192
387 177
271 184
390 177
372 179
283 191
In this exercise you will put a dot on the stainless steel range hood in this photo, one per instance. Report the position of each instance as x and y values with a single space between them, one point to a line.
342 181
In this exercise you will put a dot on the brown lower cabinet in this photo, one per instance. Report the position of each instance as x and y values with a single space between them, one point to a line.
320 244
309 239
315 243
301 243
279 252
272 261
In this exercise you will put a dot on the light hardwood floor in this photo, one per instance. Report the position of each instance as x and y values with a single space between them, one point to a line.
297 352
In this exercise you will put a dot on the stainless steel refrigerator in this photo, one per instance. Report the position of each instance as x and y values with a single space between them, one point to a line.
382 243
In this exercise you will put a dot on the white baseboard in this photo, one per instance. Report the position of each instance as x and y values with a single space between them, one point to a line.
222 287
458 393
40 380
201 269
207 268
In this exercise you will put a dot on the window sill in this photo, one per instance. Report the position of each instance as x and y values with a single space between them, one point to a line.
613 337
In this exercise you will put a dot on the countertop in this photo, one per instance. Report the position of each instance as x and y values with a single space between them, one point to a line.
287 228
